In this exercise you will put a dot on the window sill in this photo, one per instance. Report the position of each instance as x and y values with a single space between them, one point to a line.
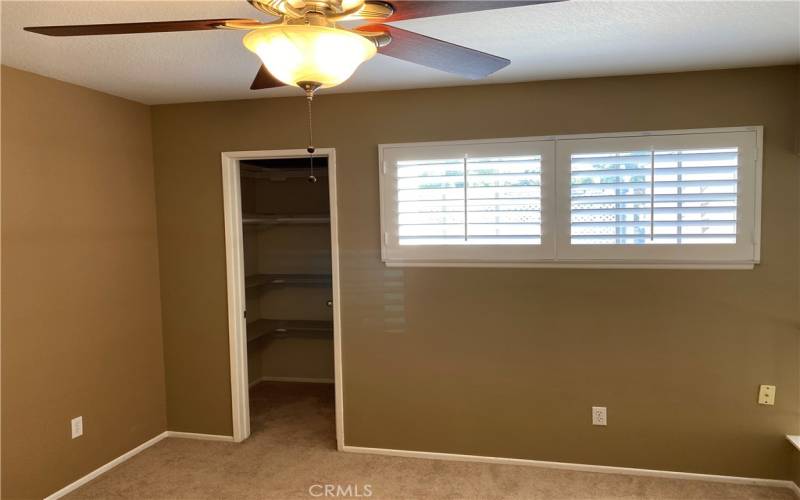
795 440
579 265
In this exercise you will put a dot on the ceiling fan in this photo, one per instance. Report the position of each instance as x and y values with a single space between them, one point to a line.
306 47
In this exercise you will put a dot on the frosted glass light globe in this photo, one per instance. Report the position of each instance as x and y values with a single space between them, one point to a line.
303 53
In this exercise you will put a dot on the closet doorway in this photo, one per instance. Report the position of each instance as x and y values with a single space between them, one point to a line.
283 275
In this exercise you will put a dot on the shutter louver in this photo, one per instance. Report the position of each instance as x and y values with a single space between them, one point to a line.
430 202
504 200
654 197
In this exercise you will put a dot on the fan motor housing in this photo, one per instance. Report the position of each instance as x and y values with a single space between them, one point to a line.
331 9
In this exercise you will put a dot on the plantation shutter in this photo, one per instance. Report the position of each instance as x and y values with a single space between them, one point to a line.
470 201
654 197
681 199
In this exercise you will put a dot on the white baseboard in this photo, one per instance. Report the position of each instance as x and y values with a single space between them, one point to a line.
607 469
125 456
104 468
293 379
203 437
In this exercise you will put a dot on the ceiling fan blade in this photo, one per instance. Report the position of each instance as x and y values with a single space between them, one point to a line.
435 53
265 80
413 9
154 27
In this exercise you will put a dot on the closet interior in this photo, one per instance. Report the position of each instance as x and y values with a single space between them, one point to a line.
287 260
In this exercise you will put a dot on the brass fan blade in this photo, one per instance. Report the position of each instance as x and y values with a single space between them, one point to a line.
265 80
413 9
154 27
435 53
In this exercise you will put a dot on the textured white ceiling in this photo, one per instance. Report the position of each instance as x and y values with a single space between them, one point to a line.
563 40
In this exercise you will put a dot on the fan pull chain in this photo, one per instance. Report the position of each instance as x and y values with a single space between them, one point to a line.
311 178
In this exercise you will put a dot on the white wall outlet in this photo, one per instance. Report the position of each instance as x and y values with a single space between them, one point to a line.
599 415
77 427
766 395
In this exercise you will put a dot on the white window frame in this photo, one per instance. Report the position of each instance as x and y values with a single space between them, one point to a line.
395 254
740 252
556 250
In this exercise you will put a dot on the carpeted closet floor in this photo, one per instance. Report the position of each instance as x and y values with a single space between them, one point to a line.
293 447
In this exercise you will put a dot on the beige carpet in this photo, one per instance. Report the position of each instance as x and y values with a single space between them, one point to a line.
293 447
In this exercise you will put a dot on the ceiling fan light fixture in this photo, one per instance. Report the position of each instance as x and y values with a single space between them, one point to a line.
307 53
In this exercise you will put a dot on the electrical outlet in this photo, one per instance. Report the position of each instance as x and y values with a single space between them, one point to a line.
599 415
77 427
766 395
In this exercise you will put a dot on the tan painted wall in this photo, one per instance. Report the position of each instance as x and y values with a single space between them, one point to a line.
508 362
795 466
796 454
81 321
